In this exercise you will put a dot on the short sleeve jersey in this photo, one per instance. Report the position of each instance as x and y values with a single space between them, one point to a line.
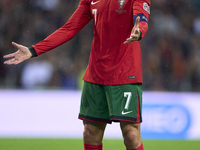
111 61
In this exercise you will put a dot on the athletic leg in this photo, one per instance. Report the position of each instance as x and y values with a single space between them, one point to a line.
93 135
95 115
132 136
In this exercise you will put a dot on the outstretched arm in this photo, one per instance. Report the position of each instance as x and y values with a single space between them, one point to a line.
76 22
19 56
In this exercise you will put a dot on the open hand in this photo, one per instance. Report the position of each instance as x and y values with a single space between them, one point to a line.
19 56
135 33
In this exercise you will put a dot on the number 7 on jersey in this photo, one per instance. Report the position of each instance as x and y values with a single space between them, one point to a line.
94 12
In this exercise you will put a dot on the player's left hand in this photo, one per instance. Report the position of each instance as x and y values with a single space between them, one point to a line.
135 33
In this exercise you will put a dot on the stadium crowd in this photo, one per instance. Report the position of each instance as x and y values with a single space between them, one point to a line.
170 49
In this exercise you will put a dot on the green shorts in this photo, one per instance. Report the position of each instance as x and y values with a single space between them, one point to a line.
107 103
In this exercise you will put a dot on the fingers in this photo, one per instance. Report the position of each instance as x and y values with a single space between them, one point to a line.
15 45
10 61
13 61
134 36
9 55
12 54
19 56
137 22
135 32
129 40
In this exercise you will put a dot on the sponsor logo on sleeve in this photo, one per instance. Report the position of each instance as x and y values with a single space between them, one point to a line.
146 7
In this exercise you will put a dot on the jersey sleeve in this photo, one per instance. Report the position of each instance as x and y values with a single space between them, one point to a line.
75 23
142 8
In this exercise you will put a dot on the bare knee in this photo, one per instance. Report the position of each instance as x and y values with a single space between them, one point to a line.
93 132
89 135
131 134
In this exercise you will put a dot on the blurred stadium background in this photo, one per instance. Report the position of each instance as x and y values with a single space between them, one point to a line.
40 97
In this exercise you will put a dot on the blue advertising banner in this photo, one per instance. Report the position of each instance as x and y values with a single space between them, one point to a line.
165 121
171 115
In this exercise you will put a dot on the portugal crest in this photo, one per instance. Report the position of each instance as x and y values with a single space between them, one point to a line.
121 4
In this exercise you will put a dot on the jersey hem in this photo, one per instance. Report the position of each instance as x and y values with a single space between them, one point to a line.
93 119
113 119
113 83
127 119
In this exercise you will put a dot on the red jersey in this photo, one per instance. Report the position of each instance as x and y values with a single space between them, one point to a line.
111 61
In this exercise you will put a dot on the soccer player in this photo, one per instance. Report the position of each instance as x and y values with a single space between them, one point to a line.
113 79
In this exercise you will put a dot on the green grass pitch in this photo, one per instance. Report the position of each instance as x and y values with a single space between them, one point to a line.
108 144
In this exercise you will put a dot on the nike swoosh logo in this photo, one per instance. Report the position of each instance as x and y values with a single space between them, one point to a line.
92 3
128 112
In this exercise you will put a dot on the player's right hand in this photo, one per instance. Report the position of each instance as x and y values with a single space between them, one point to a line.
19 56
